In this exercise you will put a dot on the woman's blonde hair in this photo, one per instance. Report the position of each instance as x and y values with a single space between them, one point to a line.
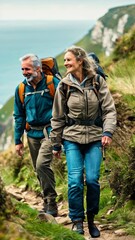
89 66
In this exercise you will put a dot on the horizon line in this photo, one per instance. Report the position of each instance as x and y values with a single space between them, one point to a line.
48 19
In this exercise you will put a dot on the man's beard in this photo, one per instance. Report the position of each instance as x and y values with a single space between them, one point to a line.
31 77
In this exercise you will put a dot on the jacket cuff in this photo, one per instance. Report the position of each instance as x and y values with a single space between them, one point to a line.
108 134
18 141
56 148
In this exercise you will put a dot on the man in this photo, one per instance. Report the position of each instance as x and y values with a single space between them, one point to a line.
37 111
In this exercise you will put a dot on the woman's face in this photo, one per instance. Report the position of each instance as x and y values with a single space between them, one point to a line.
72 65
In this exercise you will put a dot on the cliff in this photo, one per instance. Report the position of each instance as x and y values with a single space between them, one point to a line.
103 36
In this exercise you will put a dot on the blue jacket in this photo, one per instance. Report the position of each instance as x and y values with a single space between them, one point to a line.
36 110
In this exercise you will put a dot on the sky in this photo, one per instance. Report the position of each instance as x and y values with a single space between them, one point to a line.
57 9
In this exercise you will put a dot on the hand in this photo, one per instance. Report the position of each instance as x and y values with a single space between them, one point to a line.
19 149
106 141
57 154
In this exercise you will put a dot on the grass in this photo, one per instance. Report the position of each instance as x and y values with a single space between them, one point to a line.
122 78
130 100
7 110
41 228
125 217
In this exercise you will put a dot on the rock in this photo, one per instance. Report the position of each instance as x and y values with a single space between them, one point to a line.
120 232
110 211
47 217
103 227
16 195
63 220
63 212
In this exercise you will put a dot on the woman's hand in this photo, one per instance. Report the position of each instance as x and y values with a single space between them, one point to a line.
57 154
106 141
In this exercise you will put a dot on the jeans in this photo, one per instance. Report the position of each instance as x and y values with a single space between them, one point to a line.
83 159
41 154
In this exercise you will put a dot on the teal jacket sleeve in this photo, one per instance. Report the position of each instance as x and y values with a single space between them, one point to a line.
19 118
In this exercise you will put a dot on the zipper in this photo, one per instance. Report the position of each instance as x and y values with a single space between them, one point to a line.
86 105
86 115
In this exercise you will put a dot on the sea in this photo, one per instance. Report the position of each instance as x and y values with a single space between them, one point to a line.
44 38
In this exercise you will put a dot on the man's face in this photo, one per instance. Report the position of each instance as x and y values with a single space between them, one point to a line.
28 70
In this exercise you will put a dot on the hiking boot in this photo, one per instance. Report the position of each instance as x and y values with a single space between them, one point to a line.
93 230
50 207
78 226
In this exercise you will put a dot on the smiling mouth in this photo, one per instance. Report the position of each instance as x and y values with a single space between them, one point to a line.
28 76
69 67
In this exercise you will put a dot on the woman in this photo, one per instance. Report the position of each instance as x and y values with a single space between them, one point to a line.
84 120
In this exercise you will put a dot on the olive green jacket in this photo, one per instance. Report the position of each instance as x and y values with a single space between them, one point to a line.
82 103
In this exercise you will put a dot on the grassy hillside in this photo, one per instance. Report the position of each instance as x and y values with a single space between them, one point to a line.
110 21
110 18
6 124
122 64
7 110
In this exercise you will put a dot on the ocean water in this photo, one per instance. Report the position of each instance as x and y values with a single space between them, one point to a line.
44 38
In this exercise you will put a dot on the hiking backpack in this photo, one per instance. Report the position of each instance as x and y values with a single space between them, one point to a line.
100 70
50 69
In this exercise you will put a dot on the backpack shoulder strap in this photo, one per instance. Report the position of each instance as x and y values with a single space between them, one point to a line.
21 91
66 89
96 84
50 84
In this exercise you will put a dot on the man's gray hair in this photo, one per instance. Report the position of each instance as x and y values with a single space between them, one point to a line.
34 58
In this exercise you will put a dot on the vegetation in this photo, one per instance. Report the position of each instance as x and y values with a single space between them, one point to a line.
110 18
6 110
125 46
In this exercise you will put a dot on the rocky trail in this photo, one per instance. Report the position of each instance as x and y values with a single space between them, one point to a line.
107 230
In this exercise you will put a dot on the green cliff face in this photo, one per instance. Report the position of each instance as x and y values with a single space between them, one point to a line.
107 30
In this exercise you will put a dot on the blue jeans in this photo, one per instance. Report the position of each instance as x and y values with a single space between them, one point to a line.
83 158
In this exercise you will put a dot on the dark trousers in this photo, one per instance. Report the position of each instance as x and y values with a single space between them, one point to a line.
41 154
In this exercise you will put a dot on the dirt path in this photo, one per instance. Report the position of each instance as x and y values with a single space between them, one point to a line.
107 231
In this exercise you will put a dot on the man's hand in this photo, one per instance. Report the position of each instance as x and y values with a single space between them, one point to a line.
106 141
57 154
19 149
